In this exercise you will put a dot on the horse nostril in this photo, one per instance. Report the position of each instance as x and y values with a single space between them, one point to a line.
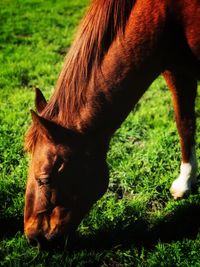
33 242
36 240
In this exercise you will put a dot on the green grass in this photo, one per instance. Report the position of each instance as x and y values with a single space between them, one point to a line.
136 223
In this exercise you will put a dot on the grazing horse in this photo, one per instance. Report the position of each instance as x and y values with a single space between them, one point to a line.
120 49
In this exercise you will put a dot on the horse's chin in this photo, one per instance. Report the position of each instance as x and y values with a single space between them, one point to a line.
49 232
55 240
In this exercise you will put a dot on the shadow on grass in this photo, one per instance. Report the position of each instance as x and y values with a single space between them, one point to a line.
183 223
10 226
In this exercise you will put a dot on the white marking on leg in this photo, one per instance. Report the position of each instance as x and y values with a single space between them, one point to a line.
187 177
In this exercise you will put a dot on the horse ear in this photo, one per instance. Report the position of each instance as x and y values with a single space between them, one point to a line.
50 129
40 101
45 126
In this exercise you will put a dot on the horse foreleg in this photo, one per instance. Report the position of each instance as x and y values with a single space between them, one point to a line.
183 91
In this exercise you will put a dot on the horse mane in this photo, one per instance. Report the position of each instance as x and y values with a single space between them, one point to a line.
104 20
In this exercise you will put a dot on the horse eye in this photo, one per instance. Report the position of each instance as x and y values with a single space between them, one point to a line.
61 168
43 181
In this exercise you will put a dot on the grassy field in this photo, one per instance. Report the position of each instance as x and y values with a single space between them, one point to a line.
136 223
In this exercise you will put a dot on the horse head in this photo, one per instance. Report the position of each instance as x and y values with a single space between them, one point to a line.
66 177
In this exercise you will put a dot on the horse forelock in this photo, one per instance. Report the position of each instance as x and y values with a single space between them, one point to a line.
31 139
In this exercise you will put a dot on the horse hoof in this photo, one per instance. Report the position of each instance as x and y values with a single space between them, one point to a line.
180 189
179 195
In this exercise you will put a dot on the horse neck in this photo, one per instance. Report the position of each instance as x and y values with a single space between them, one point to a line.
129 67
131 63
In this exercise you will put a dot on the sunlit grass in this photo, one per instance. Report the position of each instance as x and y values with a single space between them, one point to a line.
136 223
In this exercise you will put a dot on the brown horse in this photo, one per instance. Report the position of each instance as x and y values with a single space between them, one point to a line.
120 49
